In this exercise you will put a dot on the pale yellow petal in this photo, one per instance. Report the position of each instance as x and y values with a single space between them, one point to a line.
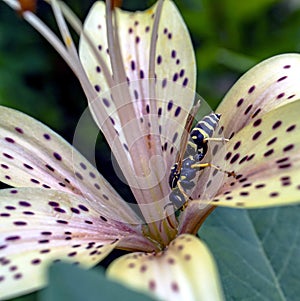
185 271
265 155
272 83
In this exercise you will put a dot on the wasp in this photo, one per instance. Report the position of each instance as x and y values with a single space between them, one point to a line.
182 175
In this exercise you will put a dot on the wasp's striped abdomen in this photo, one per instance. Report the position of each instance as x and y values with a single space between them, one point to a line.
204 129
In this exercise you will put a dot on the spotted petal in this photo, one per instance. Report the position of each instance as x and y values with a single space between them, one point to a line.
265 155
270 84
171 57
38 227
185 271
32 155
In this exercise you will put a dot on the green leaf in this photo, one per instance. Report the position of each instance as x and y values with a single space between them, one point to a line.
257 252
70 283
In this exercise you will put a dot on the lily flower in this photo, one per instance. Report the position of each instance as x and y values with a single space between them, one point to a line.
138 73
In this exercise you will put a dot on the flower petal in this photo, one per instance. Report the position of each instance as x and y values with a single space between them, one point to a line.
34 156
148 115
270 84
265 155
38 227
174 65
185 271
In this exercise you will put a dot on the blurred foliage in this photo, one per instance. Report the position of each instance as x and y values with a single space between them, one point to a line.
229 37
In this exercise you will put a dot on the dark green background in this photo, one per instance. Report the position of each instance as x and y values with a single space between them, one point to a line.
229 37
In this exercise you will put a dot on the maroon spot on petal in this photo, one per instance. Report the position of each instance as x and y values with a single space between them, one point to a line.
291 128
240 102
274 194
59 221
185 82
47 136
147 28
256 135
259 186
244 193
72 254
137 39
256 113
103 218
152 285
46 233
4 214
227 156
60 210
57 156
19 130
44 251
280 95
276 125
170 36
282 160
35 261
97 88
288 147
142 75
273 140
250 157
281 78
35 181
243 159
10 207
27 166
248 109
237 145
105 197
159 59
132 64
251 89
234 158
12 238
10 140
177 111
18 276
28 213
19 223
50 167
8 156
174 287
268 153
53 204
291 96
287 66
4 166
75 210
43 241
257 122
78 175
82 207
